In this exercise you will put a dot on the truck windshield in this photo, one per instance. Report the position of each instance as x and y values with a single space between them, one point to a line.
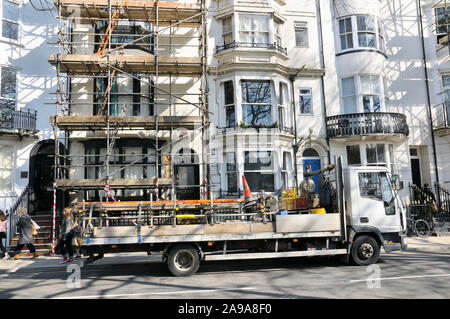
377 185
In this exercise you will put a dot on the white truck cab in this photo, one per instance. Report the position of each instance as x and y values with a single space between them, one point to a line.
372 207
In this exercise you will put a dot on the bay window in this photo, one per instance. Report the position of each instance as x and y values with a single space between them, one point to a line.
231 172
254 28
353 155
256 102
259 171
362 93
361 31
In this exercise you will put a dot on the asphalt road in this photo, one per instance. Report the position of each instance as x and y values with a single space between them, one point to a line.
396 275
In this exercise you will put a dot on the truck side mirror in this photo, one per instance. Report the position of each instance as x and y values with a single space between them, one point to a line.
397 185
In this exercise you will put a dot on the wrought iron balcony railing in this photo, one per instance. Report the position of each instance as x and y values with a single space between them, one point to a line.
234 44
441 116
378 123
12 121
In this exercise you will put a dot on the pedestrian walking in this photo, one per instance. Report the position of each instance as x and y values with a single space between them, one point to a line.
77 236
25 234
3 223
67 231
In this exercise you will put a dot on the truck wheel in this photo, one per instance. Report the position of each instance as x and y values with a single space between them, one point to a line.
365 250
183 260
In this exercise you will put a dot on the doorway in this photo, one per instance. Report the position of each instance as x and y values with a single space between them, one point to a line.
415 167
187 177
311 159
41 176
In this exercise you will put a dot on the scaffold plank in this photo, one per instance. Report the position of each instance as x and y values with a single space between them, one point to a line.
92 63
168 12
85 122
113 183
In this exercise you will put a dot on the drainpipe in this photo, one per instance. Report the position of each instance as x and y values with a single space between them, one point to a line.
322 65
295 146
428 89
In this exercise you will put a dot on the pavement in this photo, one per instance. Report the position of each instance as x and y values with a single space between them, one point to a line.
45 263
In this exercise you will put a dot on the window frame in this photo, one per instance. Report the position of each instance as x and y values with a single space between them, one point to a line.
300 95
346 33
301 26
226 106
378 32
270 171
268 104
230 32
18 4
10 169
5 98
254 32
359 95
438 25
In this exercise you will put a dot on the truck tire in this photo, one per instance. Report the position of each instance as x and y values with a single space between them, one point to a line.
365 250
183 260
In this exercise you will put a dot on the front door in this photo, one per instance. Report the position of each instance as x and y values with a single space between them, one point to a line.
415 171
314 165
187 181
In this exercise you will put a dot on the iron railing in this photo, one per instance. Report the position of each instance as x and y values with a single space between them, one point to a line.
441 116
268 46
13 213
443 200
377 123
18 121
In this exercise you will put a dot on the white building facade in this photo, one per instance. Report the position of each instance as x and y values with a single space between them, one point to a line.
326 78
26 81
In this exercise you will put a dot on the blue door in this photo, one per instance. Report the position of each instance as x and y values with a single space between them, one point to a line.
314 166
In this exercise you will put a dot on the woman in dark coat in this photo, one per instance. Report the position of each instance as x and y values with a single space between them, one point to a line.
25 234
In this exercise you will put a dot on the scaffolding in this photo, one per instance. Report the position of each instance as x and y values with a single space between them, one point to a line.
129 73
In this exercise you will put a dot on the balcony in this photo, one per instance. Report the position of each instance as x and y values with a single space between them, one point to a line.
275 128
367 124
268 46
441 119
21 122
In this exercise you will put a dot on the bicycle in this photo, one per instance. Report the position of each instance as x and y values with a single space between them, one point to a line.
419 226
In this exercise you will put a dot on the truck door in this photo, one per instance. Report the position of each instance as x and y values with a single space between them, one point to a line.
376 202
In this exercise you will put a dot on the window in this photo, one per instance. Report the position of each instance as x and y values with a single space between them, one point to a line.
305 101
285 170
277 32
259 171
375 154
446 95
254 28
362 31
6 167
227 30
353 155
256 103
231 172
7 92
345 33
10 21
369 185
230 116
370 93
281 105
100 99
349 95
301 34
366 31
377 186
442 21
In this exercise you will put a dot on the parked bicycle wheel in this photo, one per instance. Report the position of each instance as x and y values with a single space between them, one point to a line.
422 228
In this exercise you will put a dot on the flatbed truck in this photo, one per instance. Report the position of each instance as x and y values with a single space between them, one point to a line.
361 214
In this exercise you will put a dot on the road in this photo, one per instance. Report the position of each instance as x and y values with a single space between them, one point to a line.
399 275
